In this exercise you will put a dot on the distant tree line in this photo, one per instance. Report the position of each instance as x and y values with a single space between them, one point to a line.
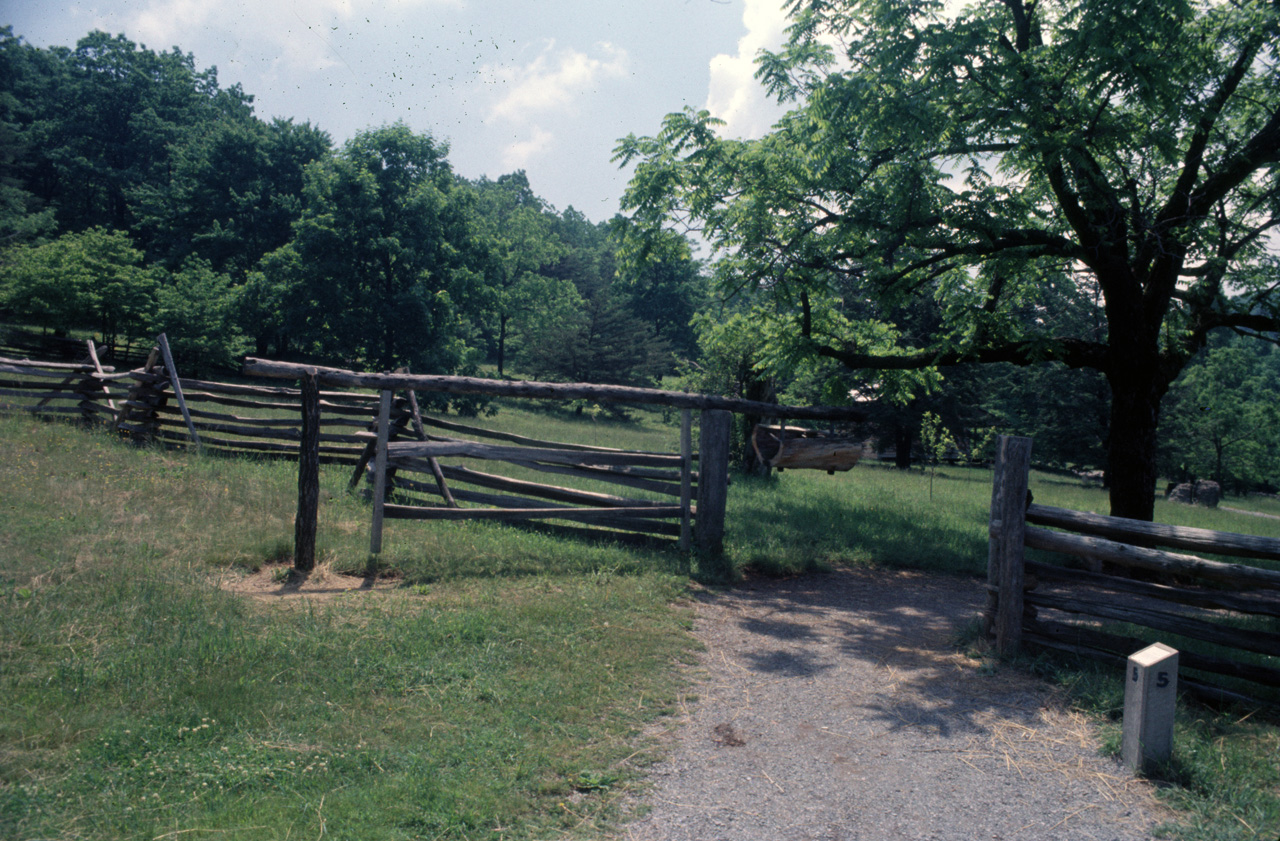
138 195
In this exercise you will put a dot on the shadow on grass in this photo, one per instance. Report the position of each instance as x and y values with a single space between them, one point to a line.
776 531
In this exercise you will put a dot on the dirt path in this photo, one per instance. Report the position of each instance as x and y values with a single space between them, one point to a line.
836 706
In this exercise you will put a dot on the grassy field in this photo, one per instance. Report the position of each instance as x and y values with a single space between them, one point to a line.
502 689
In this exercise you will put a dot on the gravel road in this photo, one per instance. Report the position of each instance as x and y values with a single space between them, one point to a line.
837 707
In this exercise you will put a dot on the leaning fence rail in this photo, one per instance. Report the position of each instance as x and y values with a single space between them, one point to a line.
1084 599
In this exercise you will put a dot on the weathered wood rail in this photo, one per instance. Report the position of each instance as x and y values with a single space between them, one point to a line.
402 497
1088 602
713 463
342 425
84 390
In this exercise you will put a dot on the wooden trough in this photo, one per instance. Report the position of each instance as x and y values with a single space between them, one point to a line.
783 447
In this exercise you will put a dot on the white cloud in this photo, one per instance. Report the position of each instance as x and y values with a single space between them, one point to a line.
734 95
517 155
553 81
302 36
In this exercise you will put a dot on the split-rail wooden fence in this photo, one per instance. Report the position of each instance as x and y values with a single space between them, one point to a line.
1109 590
648 471
86 390
154 403
383 435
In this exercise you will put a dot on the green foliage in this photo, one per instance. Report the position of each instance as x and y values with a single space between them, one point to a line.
662 283
375 276
374 255
604 343
92 280
1222 416
196 309
941 444
516 236
1016 183
109 116
233 195
23 216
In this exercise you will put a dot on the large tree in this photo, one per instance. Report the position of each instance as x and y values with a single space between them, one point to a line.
516 234
1118 150
377 273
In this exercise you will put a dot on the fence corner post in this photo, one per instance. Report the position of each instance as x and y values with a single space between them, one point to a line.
713 485
304 527
1008 524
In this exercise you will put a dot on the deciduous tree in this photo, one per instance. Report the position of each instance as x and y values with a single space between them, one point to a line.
1118 149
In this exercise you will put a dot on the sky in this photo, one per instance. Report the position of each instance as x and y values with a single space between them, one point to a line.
547 86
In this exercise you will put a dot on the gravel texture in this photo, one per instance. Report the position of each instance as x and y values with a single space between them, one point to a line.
837 706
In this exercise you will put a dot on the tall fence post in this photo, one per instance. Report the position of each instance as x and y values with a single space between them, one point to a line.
713 484
1007 531
380 472
304 525
686 479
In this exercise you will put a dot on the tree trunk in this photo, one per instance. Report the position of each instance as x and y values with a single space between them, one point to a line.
502 343
902 438
1135 416
760 390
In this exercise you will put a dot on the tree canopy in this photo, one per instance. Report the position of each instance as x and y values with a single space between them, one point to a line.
138 195
1016 163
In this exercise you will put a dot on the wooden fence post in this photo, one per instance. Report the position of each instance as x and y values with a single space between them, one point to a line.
380 473
686 479
304 527
1007 529
97 366
713 484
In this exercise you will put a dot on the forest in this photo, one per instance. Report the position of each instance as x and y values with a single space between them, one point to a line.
138 196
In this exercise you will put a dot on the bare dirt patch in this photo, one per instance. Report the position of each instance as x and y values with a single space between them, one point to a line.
279 583
838 706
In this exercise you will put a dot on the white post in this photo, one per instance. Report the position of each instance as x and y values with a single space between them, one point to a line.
1150 701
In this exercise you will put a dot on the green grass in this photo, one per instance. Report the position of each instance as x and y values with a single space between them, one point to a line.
502 690
140 700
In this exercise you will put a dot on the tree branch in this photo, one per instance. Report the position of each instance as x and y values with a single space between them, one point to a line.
1074 353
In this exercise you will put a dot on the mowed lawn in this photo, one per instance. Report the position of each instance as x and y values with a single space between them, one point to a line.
500 683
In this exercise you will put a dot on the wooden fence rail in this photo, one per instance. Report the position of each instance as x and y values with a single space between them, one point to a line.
1112 589
84 390
398 496
155 403
526 500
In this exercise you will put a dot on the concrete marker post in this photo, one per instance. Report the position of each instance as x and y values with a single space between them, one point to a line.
1150 701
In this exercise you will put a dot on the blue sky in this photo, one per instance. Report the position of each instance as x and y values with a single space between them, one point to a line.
547 86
